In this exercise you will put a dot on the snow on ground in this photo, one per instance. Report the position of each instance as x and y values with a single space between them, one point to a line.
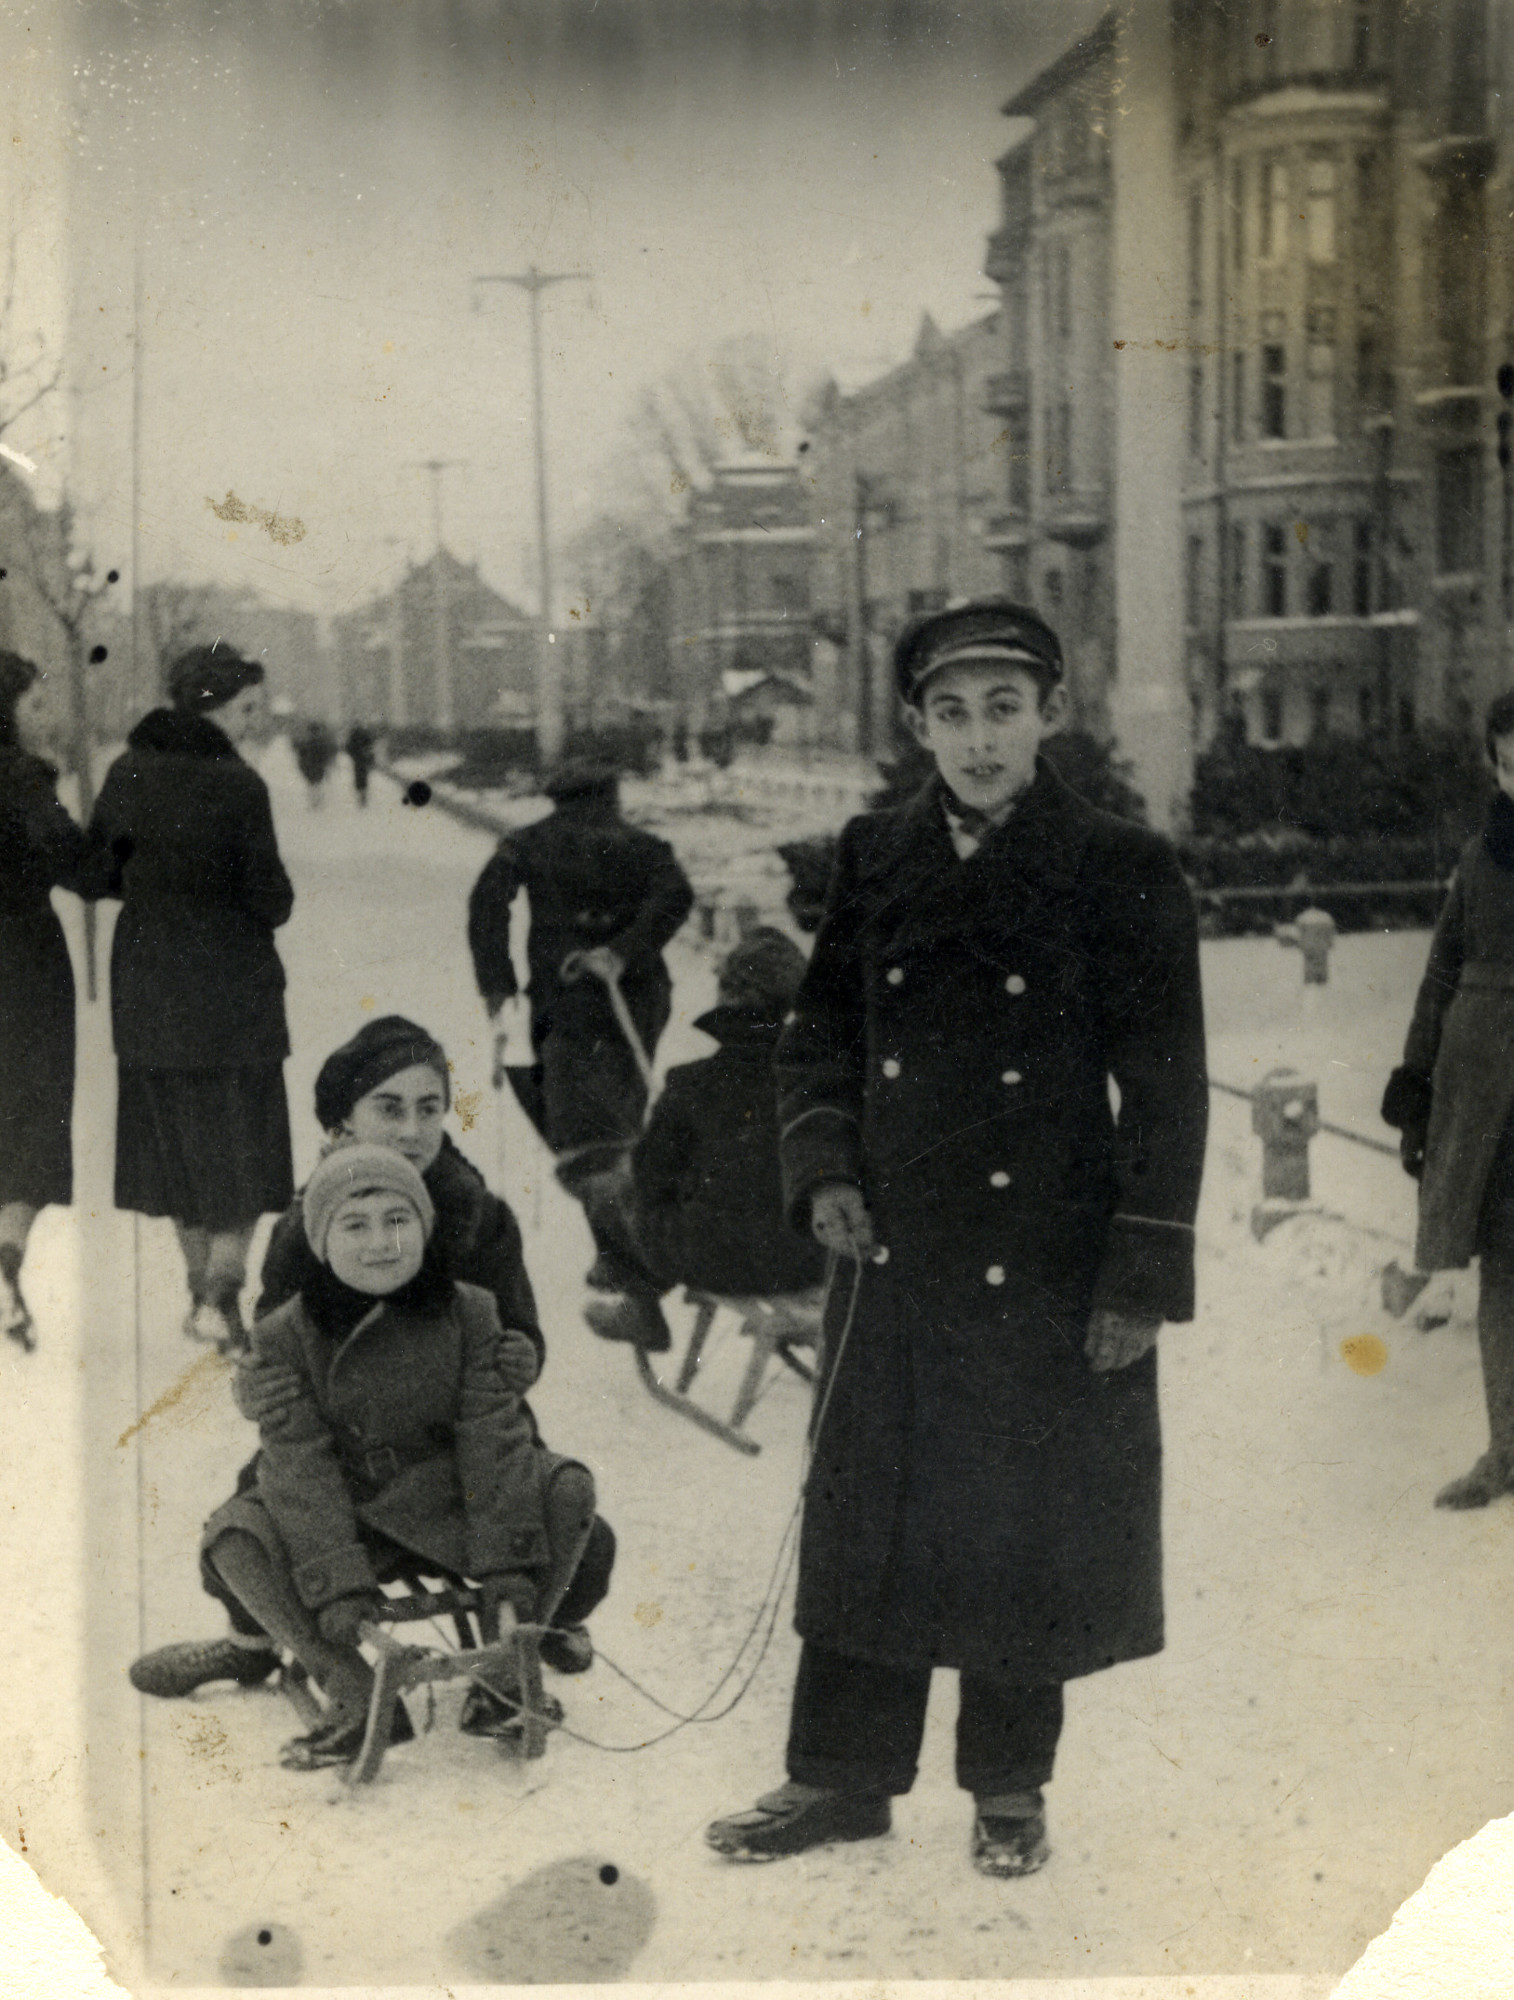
1328 1718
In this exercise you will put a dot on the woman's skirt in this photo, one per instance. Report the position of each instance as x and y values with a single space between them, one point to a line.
210 1147
36 1060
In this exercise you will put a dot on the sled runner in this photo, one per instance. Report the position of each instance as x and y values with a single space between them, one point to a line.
775 1327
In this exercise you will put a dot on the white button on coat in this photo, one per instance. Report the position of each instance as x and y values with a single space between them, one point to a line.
1011 1076
999 1179
895 976
995 1274
891 1068
1014 984
880 1255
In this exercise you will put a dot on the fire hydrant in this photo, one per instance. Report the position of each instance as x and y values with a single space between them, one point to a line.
1313 931
1285 1117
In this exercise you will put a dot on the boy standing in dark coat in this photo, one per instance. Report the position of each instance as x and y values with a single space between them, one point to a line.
985 1491
605 900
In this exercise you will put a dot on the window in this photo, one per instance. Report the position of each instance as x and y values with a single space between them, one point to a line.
1019 465
1237 216
1319 414
1319 210
1319 594
1361 34
1272 713
1319 35
1274 207
1361 570
1458 510
1274 390
1406 717
1057 284
1195 410
1236 581
1366 710
1372 388
1054 589
1238 397
1275 570
1059 446
1193 579
1319 710
1064 290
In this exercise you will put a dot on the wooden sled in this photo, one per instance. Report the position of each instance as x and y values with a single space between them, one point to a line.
774 1326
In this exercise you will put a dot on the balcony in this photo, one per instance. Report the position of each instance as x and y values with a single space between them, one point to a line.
1007 528
1008 392
1078 516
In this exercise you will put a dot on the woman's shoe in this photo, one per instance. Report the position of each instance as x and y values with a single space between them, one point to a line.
488 1713
15 1318
795 1818
340 1741
1008 1844
638 1321
174 1671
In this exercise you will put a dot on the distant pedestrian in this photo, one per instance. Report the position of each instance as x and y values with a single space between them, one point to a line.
605 899
703 1199
360 754
40 848
1452 1100
197 989
314 752
985 1492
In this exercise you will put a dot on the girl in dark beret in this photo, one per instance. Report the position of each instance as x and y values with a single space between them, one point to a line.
197 989
40 848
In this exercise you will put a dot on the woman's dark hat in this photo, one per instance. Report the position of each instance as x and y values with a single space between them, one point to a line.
988 629
377 1051
207 677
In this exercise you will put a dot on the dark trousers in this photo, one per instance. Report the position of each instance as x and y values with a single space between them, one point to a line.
1495 1296
856 1726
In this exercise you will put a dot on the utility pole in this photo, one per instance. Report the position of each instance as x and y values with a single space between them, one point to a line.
549 703
445 707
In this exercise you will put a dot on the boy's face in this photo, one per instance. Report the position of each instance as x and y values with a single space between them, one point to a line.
375 1243
1503 764
405 1111
983 722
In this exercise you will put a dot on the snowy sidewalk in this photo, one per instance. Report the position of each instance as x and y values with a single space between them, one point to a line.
1328 1718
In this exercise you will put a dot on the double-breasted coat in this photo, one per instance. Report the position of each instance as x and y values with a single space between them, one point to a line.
980 1497
404 1430
1456 1083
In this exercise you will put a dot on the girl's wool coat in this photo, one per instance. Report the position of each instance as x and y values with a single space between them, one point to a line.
1458 1068
980 1497
405 1429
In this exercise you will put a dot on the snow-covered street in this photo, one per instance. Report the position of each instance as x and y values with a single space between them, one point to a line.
1330 1716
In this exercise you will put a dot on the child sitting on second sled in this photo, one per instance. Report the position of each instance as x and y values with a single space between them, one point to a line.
404 1449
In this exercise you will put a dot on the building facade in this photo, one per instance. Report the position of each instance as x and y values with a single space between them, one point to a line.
1344 511
442 650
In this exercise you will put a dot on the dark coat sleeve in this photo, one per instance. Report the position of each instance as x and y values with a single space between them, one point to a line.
264 889
288 1263
498 1263
1448 950
665 1159
1152 1005
489 922
666 900
58 846
821 1058
497 1462
300 1481
109 842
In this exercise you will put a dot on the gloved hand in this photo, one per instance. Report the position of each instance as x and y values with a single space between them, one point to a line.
493 1002
600 959
1411 1149
510 1587
839 1219
517 1360
1116 1339
339 1620
263 1387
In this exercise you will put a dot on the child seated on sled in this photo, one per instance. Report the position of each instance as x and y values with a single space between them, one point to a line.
699 1201
404 1450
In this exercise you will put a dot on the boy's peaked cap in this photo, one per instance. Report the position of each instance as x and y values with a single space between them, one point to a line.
984 630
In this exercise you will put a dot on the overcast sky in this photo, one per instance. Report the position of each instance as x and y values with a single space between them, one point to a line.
317 185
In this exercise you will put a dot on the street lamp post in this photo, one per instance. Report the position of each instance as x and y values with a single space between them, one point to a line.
549 702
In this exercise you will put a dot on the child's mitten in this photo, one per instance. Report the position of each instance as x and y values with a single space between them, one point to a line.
263 1388
339 1620
516 1360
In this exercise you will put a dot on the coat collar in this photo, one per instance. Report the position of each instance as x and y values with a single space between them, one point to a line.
181 733
990 900
743 1026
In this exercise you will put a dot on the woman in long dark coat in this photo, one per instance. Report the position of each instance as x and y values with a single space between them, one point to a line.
197 989
40 849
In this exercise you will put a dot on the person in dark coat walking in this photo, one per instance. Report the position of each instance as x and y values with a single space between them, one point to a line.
1452 1099
360 755
703 1196
314 753
40 849
605 899
390 1085
985 1491
197 989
